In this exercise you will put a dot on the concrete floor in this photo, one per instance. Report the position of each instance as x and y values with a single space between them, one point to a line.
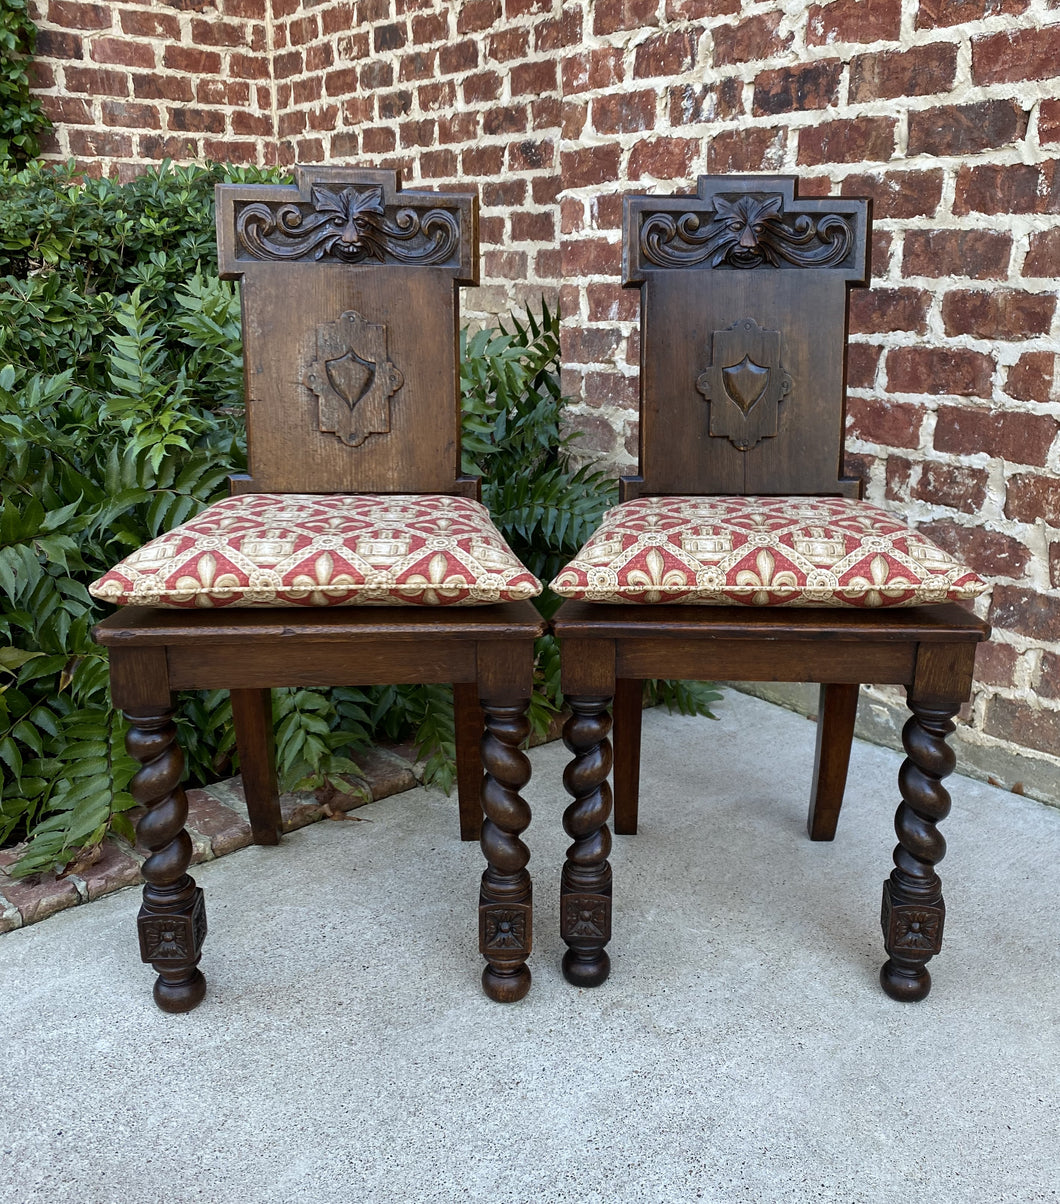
741 1051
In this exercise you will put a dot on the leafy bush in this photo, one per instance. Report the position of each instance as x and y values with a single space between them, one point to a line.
22 119
121 416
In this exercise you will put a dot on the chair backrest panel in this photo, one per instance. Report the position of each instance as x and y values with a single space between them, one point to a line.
350 330
743 336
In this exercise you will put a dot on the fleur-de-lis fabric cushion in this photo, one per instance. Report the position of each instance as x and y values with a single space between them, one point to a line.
293 549
762 551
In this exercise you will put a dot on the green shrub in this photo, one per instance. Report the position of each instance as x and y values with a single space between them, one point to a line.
22 119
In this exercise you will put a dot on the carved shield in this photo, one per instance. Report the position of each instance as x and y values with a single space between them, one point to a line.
745 383
353 379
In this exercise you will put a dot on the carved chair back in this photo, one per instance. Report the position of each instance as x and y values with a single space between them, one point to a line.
350 319
743 336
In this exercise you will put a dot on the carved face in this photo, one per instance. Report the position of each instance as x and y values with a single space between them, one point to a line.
747 217
351 213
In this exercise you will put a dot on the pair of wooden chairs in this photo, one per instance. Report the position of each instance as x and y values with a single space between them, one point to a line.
355 552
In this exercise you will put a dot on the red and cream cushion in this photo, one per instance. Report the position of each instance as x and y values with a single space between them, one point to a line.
295 549
761 551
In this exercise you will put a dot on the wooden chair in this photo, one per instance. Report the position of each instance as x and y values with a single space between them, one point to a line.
739 501
354 495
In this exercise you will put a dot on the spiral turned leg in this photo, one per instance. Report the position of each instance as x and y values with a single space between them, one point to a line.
913 907
172 920
505 902
585 887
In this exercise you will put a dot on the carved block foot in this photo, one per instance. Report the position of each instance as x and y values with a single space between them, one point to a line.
506 901
172 920
585 887
914 911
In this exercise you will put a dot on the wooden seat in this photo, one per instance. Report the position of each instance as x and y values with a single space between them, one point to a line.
740 553
354 495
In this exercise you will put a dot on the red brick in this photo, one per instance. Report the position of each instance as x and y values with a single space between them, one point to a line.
458 56
859 467
130 116
430 27
376 75
301 32
862 361
286 65
797 89
591 257
389 37
217 92
1030 498
505 119
693 103
219 33
345 145
476 15
524 8
417 133
966 129
559 32
418 64
847 141
138 24
663 159
394 104
589 165
1018 722
367 10
319 57
574 117
342 82
158 87
977 253
899 194
886 309
1049 121
192 60
610 389
610 16
932 14
196 121
484 161
508 44
609 302
531 155
254 9
888 74
1026 612
890 423
881 247
96 81
357 110
996 664
605 210
67 110
438 164
693 10
1048 675
533 78
378 140
998 314
1015 188
486 85
437 96
939 370
307 91
248 66
533 227
1031 377
667 54
337 18
99 144
1013 436
752 149
623 113
989 553
324 117
750 41
71 15
1005 58
294 121
854 21
154 146
505 265
458 127
593 69
1043 256
953 485
505 194
251 124
545 112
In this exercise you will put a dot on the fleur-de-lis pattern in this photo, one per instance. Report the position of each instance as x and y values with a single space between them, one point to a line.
762 551
297 549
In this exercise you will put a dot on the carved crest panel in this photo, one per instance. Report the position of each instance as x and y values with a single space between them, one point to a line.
353 379
744 384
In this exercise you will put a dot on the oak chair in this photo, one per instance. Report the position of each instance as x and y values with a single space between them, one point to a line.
739 552
353 553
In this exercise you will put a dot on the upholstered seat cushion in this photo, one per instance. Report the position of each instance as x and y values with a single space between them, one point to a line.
762 551
325 550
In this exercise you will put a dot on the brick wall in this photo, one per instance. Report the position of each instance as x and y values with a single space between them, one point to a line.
946 112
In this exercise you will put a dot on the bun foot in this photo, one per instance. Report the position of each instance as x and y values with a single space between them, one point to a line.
181 996
506 987
906 984
582 973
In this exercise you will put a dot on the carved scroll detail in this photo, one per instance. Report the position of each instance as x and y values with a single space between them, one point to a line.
350 225
746 230
353 379
745 384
